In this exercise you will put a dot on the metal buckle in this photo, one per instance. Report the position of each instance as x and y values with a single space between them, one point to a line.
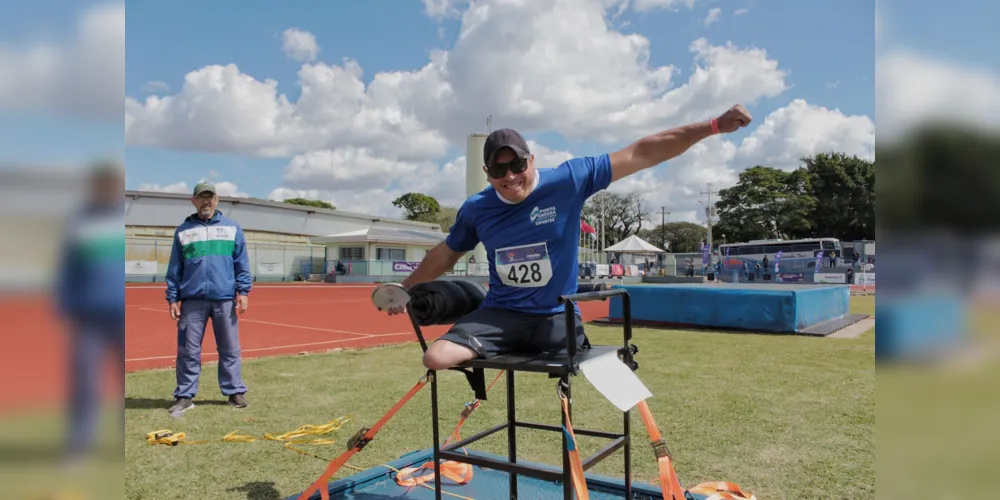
660 448
359 440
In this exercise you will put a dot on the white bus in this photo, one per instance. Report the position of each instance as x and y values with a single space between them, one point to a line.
754 251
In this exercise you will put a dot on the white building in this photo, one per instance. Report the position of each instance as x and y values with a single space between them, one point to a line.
285 240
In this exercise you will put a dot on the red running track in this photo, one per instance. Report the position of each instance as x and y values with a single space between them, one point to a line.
281 319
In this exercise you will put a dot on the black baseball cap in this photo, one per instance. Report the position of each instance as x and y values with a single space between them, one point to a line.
504 138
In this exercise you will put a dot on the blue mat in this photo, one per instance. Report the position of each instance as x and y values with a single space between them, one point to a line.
767 308
919 326
377 483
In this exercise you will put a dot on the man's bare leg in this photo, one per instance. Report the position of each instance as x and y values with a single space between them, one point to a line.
444 354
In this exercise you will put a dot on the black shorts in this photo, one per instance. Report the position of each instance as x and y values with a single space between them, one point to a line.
495 332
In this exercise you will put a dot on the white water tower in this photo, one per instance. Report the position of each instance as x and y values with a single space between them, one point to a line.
475 180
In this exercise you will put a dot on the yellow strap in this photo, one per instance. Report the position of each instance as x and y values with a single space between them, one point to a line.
170 438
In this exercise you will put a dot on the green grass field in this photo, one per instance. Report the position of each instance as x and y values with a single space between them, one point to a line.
783 416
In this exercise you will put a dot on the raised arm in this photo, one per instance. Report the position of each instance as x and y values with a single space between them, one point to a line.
658 148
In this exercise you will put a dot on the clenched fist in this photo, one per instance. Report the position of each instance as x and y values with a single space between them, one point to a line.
733 119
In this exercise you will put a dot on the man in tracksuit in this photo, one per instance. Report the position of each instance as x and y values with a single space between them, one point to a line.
90 296
208 277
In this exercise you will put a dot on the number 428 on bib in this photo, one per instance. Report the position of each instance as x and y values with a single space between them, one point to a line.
524 266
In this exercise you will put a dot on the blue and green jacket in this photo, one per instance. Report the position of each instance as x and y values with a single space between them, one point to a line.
208 260
90 282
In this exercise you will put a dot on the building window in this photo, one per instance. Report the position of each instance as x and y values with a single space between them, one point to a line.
352 253
392 254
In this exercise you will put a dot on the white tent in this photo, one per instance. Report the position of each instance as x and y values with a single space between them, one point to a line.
633 244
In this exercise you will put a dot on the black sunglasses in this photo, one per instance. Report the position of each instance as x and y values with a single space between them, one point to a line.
499 170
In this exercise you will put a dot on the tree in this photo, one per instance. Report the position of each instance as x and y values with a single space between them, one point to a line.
677 237
419 207
766 203
844 191
623 215
446 218
309 203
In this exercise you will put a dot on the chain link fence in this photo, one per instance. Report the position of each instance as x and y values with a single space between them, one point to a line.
146 260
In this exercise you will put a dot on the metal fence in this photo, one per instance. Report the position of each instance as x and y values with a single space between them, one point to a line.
398 268
147 260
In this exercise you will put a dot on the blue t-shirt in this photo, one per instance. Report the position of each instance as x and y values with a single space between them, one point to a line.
532 246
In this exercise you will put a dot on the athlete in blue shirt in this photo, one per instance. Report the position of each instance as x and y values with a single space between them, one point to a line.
529 222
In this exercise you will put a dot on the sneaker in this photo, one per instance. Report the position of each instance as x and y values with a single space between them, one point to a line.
238 400
182 405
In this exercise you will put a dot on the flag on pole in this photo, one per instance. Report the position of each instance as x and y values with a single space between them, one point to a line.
585 227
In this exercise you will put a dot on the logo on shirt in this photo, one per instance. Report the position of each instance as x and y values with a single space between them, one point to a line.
543 216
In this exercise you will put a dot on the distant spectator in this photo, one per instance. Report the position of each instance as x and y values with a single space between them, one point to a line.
90 297
208 277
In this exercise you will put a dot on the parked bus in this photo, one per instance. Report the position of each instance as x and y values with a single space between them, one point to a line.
791 251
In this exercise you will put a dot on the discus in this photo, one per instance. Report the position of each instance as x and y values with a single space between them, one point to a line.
389 295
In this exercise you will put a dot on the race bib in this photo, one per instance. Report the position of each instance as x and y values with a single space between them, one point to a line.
525 266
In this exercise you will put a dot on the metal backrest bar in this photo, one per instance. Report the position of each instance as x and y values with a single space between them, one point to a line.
588 296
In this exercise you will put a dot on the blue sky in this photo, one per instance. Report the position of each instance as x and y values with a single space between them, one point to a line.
826 45
821 43
965 32
168 39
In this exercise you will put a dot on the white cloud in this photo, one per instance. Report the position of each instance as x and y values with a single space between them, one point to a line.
647 5
576 75
800 130
223 188
177 187
355 181
740 12
348 168
85 77
912 89
360 146
226 188
441 9
782 138
713 16
299 45
220 109
155 87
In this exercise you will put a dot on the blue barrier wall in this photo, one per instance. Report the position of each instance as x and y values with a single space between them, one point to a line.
775 308
919 326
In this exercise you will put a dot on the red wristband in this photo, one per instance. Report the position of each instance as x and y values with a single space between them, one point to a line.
715 125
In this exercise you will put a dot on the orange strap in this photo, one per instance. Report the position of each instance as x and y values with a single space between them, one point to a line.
576 465
722 490
670 485
458 472
455 471
357 443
